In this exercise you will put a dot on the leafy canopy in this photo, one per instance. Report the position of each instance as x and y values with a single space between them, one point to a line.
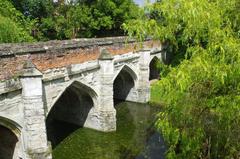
47 19
13 25
201 93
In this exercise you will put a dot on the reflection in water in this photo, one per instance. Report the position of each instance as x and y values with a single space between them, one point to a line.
134 139
154 148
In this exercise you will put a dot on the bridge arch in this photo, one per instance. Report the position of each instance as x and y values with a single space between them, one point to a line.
153 68
127 69
70 111
124 84
10 133
11 125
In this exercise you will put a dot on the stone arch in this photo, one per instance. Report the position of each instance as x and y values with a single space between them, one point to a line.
124 84
79 84
10 133
11 125
70 111
129 70
153 70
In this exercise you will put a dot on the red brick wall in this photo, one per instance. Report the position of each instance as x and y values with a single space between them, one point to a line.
12 63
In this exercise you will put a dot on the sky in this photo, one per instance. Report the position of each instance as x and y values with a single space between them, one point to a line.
141 2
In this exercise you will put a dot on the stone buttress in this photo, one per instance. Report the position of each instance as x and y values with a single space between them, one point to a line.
34 128
107 110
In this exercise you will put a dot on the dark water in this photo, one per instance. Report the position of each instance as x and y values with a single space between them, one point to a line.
135 138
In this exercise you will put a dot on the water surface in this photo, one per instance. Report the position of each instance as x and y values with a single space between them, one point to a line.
135 137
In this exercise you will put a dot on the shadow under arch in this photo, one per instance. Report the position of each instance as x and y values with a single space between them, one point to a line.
154 72
9 136
123 83
70 111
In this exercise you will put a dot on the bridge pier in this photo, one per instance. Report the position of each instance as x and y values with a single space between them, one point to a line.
103 115
107 110
34 128
143 81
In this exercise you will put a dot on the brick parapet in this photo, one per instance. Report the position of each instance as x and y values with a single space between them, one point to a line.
58 54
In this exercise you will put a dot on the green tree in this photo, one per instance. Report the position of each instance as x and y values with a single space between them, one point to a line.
201 93
60 20
88 19
111 14
34 8
14 27
11 32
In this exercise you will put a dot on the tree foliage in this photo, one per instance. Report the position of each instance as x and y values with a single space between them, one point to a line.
48 19
202 91
92 18
34 8
13 25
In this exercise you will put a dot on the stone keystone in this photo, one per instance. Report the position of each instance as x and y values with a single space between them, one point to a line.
30 70
105 55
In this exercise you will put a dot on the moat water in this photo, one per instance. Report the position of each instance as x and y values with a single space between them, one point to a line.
135 137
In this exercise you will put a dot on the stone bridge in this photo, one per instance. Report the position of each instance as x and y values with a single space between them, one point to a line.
74 81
